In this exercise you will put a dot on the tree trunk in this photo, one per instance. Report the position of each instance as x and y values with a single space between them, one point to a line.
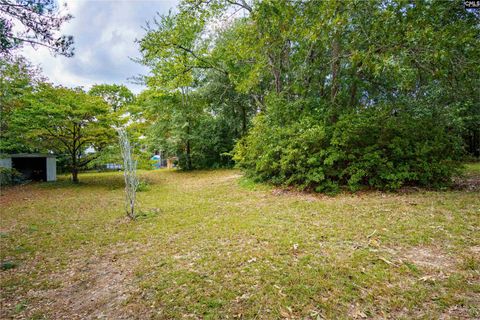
244 120
336 52
74 175
353 94
278 80
74 166
276 72
187 143
335 66
336 63
189 158
353 88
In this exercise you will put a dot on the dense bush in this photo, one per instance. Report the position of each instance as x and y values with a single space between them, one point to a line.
10 177
383 147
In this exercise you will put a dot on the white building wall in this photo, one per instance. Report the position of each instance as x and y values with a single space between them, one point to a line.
51 169
6 163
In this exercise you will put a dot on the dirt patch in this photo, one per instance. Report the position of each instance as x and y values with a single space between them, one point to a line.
429 258
456 312
96 288
468 183
475 249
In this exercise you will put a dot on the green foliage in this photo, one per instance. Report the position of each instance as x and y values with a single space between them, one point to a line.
18 79
386 148
196 112
7 265
109 154
176 128
116 96
33 22
395 97
10 176
143 185
66 121
343 93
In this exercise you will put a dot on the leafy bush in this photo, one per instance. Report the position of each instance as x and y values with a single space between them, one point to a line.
7 265
10 176
143 185
384 147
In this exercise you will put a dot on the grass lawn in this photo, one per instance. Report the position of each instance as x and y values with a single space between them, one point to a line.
213 245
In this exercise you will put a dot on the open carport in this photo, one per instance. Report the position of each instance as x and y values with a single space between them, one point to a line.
33 166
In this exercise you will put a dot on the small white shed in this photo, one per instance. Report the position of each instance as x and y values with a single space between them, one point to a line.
33 166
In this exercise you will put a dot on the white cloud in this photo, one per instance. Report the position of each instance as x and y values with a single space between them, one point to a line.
104 34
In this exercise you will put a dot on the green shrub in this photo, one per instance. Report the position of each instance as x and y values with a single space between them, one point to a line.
7 265
10 176
143 185
384 147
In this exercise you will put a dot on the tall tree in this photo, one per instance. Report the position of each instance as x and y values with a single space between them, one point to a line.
169 50
67 121
18 79
198 94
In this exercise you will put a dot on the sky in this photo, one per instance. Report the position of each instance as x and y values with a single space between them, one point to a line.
104 32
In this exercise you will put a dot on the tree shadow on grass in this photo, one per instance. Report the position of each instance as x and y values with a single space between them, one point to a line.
97 180
105 181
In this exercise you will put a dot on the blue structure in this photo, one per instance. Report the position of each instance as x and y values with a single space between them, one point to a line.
158 162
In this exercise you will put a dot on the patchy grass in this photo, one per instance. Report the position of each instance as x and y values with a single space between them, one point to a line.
472 168
470 181
214 245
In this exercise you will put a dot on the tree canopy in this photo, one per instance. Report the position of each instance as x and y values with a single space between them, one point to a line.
66 121
116 96
34 22
328 93
18 79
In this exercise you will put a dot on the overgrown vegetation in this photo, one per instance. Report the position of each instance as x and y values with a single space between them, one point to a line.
350 93
10 177
372 148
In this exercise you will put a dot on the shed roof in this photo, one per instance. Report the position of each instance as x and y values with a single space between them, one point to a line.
28 155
